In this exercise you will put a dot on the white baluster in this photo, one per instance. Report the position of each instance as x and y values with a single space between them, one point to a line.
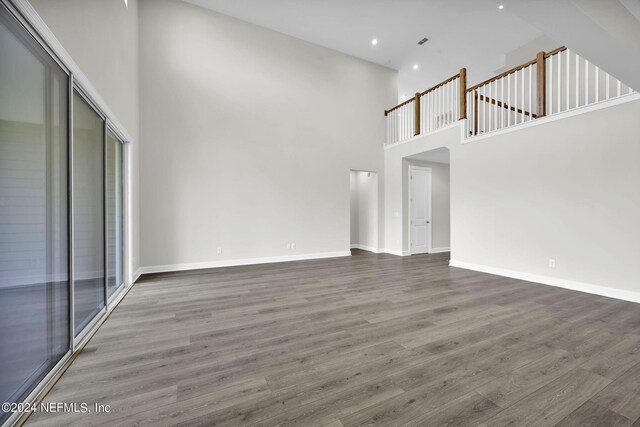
446 103
568 79
597 76
577 81
515 101
523 100
586 82
559 82
550 101
432 110
530 92
484 109
502 102
490 107
508 77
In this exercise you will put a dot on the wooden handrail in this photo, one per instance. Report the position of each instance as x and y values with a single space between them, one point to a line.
408 101
555 51
449 80
505 106
514 69
501 75
431 89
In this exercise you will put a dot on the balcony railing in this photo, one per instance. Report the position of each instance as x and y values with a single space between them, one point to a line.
552 83
427 111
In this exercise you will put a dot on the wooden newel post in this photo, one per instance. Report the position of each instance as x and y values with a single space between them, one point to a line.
463 94
416 114
541 76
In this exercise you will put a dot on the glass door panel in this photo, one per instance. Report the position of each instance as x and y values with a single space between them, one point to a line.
34 280
88 213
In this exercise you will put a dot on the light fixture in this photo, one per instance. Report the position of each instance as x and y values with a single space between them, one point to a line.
415 66
403 97
501 7
126 3
374 42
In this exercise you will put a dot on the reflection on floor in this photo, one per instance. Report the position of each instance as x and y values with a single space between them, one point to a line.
34 334
34 330
369 339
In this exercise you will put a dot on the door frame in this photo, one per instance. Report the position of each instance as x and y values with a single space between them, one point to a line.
409 188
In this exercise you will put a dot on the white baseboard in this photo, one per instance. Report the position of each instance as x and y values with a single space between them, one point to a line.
237 262
367 248
439 250
604 291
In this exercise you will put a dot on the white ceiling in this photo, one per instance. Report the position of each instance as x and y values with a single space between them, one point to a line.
462 33
606 32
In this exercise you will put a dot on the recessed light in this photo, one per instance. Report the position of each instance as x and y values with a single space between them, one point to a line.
374 42
501 7
415 66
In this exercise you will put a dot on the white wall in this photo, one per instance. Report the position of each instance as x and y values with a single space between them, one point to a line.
364 210
102 38
247 138
440 203
564 190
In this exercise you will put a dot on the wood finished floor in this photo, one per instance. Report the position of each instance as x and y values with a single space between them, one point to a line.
363 340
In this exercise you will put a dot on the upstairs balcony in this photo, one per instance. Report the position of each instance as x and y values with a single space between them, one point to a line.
552 83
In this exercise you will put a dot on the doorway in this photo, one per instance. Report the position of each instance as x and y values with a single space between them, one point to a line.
364 210
427 221
420 209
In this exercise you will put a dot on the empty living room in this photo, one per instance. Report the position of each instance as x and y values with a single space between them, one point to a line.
320 213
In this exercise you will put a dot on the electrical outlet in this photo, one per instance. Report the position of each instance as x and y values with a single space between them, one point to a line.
552 263
219 251
293 246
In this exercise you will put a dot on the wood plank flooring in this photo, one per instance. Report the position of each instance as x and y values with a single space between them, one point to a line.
371 339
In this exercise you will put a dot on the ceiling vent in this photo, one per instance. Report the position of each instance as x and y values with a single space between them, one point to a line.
423 41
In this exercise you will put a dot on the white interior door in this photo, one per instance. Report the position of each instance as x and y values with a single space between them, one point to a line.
420 210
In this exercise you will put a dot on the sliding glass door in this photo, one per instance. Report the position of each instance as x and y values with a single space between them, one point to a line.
61 213
34 279
88 213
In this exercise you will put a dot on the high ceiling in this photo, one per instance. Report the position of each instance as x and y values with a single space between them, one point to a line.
475 34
